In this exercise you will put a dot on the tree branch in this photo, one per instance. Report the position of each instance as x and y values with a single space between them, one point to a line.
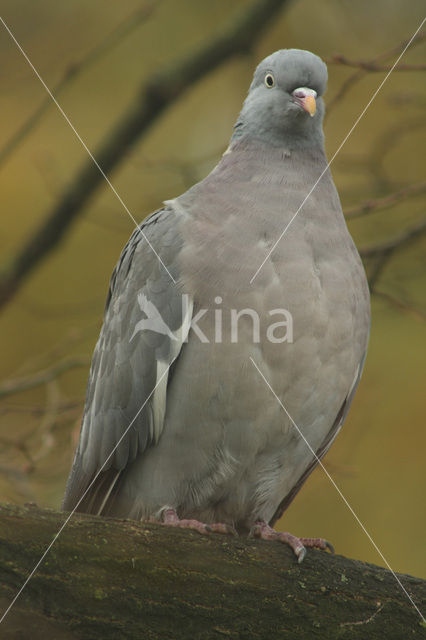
358 75
383 252
399 241
72 72
164 88
373 66
401 305
384 144
41 377
386 201
107 578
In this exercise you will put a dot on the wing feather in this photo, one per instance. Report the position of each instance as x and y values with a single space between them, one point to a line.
145 326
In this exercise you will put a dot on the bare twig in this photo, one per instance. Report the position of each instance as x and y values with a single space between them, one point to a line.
17 479
56 351
407 98
386 142
71 73
367 65
187 170
372 161
66 409
383 252
41 377
400 304
366 620
386 202
44 430
164 88
413 233
360 73
342 91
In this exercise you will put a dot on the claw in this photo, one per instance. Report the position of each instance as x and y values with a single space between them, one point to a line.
317 543
255 531
300 554
299 545
168 517
231 530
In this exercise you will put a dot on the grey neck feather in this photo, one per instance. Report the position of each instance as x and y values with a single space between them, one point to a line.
308 134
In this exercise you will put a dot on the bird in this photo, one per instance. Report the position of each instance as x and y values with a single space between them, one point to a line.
202 411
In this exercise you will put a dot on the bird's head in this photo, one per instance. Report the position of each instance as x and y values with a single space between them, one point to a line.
284 105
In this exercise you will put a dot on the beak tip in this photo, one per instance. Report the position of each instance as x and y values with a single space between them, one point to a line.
310 105
305 97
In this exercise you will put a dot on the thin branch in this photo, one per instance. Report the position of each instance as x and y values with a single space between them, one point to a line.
384 251
41 377
373 66
406 98
400 304
67 407
43 432
385 143
386 201
342 91
360 73
379 606
162 90
71 73
17 479
188 170
413 233
56 351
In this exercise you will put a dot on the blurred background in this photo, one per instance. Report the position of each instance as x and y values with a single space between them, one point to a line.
99 58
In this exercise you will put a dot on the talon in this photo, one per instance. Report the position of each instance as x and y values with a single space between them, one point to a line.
168 517
299 545
317 543
300 553
231 530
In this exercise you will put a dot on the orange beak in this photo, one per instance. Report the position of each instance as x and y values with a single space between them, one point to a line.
309 104
305 97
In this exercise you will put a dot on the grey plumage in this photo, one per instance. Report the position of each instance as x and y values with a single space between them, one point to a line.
211 441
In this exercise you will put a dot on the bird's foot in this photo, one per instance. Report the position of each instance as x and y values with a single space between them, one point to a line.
169 517
299 545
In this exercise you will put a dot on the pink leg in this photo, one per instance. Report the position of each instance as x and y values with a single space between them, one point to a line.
169 517
262 530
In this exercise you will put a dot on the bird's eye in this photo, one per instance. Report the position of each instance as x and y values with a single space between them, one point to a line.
269 80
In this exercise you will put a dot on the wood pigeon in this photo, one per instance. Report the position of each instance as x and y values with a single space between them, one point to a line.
179 427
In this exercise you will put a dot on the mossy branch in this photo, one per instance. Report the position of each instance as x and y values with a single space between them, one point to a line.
106 578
